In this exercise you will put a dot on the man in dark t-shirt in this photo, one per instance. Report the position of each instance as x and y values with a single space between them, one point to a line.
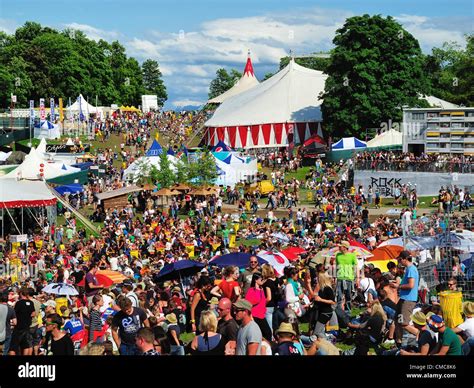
227 326
286 346
125 326
22 342
92 285
10 319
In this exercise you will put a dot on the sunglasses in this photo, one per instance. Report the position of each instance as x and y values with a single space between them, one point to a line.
254 262
50 323
451 284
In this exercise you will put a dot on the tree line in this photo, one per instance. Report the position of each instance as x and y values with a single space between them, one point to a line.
41 62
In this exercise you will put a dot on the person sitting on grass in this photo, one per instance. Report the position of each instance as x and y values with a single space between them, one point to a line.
448 343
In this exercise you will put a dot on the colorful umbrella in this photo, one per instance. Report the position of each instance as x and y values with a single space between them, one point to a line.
240 259
292 253
102 279
354 243
60 289
179 269
115 276
386 252
276 260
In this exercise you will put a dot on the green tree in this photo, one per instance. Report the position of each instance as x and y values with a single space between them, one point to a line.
375 68
315 63
165 177
450 72
204 172
181 175
267 76
152 80
224 81
145 172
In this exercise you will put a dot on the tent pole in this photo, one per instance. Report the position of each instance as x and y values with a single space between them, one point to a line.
22 232
13 220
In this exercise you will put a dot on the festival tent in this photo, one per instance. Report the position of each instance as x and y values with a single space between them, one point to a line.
70 189
82 106
247 81
47 130
34 165
349 143
146 162
282 110
155 150
4 156
387 140
234 168
24 193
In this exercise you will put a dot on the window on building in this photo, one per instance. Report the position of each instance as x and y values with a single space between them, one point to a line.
470 114
432 114
457 145
444 125
418 116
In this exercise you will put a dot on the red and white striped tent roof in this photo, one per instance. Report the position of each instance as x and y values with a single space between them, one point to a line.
283 109
246 82
24 193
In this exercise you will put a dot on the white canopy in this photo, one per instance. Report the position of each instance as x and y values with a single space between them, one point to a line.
349 143
291 95
47 130
33 163
439 103
285 106
233 168
247 81
81 105
386 139
25 193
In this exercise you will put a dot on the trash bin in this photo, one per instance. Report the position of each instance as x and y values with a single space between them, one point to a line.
451 304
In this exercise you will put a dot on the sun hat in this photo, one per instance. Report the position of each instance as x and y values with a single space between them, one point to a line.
214 300
468 309
419 318
285 328
171 318
345 244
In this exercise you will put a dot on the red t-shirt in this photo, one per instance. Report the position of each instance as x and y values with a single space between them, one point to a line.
228 289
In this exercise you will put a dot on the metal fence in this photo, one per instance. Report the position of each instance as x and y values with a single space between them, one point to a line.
415 166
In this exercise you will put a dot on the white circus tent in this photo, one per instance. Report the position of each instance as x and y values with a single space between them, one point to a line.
82 106
284 109
389 139
247 81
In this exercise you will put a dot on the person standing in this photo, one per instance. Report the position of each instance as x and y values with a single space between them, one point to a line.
22 342
92 285
144 342
95 321
246 277
125 326
408 288
256 296
249 336
346 273
227 326
7 319
60 343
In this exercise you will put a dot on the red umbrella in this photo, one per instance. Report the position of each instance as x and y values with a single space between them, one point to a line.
293 252
102 279
354 243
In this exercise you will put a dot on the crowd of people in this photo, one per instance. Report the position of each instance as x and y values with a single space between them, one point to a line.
406 161
307 307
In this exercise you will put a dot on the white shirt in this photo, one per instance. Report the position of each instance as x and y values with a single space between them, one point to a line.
468 326
113 263
367 284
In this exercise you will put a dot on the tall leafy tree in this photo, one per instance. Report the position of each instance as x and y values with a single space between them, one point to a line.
165 177
375 68
204 172
224 81
152 81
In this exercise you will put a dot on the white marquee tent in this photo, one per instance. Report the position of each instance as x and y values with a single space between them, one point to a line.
47 130
391 138
34 163
82 106
283 109
247 81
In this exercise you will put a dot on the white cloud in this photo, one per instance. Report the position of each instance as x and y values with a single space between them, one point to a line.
8 26
94 33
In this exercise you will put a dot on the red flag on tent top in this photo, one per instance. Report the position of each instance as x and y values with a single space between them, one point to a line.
248 67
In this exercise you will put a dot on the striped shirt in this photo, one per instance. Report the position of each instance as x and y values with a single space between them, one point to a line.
95 323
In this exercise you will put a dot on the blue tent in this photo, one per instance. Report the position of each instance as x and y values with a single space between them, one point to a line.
221 146
45 125
155 149
349 143
83 166
171 152
73 188
184 149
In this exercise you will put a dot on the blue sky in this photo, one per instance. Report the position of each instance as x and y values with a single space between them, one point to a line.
192 39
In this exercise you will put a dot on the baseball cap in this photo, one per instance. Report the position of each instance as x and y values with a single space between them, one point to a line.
243 304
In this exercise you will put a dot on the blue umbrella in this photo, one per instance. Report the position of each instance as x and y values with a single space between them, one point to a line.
240 259
178 269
